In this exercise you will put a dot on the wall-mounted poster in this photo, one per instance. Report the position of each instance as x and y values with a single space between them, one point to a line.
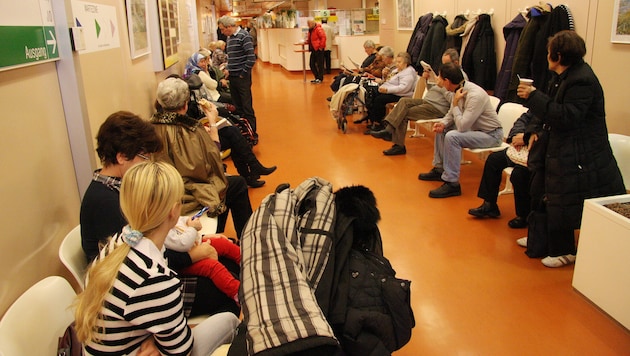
621 22
358 22
169 30
138 29
405 14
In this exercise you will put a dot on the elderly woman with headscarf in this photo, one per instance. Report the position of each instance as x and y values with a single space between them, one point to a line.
198 64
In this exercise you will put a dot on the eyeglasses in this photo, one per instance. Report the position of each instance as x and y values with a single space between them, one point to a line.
146 158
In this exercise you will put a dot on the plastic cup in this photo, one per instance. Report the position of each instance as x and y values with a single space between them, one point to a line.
526 81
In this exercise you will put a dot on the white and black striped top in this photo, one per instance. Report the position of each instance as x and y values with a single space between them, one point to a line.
144 300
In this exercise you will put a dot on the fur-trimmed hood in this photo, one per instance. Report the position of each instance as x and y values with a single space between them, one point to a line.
358 201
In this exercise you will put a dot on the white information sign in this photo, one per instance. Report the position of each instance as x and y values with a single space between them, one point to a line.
99 23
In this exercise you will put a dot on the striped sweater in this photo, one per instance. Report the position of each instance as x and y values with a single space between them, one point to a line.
240 51
145 299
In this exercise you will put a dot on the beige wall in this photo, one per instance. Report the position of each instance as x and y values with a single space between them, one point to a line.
40 197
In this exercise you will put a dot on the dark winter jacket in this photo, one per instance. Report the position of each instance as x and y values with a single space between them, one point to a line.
480 60
417 37
524 53
434 43
511 33
578 161
355 310
559 19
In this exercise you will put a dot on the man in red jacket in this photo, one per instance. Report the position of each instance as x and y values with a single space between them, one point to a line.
316 45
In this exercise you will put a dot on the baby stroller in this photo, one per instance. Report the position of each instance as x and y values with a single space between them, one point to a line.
357 99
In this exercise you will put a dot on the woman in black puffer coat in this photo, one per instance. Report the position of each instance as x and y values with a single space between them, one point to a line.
574 160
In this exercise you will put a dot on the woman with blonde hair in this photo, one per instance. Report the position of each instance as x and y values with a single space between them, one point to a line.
133 300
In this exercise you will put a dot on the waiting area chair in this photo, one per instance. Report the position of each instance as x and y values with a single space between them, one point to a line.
72 256
34 322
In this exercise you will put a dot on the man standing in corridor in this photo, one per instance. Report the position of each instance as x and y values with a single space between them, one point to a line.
241 60
316 45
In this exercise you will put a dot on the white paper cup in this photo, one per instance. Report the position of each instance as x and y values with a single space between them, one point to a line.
526 81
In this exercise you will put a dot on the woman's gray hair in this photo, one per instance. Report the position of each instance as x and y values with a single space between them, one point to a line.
172 94
226 21
369 44
386 51
405 56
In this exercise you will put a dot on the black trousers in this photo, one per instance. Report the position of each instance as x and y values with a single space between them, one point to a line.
327 62
376 111
491 180
317 64
242 155
237 202
241 91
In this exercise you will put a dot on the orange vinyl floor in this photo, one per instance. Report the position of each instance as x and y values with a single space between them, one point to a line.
474 291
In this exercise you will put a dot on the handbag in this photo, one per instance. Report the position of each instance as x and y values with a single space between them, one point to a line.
537 239
518 156
69 344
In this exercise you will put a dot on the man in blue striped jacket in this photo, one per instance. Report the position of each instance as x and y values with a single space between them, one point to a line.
241 60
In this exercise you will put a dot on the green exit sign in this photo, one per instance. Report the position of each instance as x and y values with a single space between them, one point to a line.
23 45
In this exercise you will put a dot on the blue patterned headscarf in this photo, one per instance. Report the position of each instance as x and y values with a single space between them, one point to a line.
192 66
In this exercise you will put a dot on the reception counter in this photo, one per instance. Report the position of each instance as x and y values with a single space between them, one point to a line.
282 46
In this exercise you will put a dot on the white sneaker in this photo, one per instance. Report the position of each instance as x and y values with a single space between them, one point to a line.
558 261
522 241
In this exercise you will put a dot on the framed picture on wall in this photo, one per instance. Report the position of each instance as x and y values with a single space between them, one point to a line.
405 14
621 22
138 29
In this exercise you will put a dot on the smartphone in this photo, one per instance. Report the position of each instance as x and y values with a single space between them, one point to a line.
200 213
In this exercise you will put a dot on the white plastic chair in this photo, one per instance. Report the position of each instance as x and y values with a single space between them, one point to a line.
620 145
72 256
508 189
495 101
420 92
36 320
508 114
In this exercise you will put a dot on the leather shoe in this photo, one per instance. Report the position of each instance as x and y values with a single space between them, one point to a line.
518 223
446 190
486 209
395 150
358 121
384 134
254 183
435 174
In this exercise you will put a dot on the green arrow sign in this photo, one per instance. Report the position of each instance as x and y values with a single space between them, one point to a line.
27 44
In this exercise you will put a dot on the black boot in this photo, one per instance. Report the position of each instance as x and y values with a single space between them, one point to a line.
257 168
254 182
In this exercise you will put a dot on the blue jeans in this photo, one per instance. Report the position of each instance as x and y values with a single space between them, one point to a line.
447 151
